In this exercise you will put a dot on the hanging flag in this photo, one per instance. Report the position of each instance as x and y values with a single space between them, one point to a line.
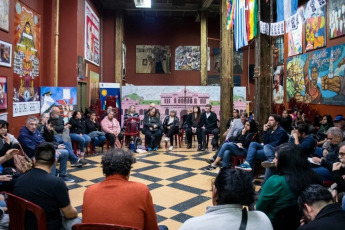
230 13
286 8
240 30
251 17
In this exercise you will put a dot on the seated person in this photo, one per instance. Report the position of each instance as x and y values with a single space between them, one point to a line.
286 121
109 109
238 147
8 142
280 191
47 191
152 130
325 124
43 120
128 203
235 115
94 130
231 190
112 130
61 151
171 126
338 172
323 165
192 123
237 127
208 125
8 176
304 140
319 210
77 132
183 123
273 136
339 122
131 113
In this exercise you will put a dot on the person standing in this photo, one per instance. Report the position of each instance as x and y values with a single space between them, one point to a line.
208 125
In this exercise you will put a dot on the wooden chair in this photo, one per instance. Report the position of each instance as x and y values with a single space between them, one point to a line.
100 226
17 207
132 129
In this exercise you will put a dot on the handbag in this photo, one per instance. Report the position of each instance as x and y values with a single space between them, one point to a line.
22 162
244 219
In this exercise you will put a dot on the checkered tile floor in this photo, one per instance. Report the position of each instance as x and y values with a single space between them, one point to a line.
178 183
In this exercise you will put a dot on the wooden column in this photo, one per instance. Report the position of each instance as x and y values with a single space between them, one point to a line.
263 75
203 47
226 81
118 46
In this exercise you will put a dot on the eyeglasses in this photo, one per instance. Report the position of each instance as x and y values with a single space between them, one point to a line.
341 154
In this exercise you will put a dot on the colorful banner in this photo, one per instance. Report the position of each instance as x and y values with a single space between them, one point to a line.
92 46
336 18
109 89
315 30
317 77
27 42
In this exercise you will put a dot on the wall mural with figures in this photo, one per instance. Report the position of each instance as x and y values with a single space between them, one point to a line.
317 77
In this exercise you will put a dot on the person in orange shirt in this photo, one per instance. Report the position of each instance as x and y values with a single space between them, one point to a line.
123 202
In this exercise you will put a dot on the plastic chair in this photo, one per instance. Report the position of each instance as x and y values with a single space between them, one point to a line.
17 207
132 129
178 136
99 226
111 101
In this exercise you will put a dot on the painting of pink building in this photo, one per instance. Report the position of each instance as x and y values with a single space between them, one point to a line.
178 98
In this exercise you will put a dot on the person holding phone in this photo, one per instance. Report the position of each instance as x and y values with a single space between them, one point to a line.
7 141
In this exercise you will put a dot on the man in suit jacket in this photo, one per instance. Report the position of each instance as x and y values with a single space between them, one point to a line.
208 125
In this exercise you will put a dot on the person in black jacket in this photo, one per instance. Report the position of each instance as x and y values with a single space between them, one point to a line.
152 129
320 212
338 171
77 131
171 126
208 125
93 129
286 122
192 123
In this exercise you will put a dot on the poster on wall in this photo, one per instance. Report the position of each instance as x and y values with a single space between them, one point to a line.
189 58
81 68
63 97
3 92
317 77
4 15
217 60
26 60
315 30
5 54
278 85
109 89
336 18
91 42
295 37
178 98
153 59
238 62
94 86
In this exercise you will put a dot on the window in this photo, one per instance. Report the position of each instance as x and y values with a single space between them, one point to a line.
166 111
280 46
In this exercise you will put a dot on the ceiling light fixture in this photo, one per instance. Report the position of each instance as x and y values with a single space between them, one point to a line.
142 3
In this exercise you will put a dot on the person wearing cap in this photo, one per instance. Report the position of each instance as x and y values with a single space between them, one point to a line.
339 121
170 125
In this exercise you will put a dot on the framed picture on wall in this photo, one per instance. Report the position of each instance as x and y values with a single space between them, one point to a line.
3 92
336 16
5 54
4 15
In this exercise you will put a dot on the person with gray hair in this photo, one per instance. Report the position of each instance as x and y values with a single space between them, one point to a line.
323 165
29 137
319 210
128 203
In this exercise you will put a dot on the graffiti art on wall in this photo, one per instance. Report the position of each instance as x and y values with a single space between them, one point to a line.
317 77
336 18
27 42
315 30
153 59
178 98
189 58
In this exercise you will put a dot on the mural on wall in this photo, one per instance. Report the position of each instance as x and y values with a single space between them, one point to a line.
109 89
4 15
27 44
63 97
317 77
153 59
315 30
189 58
278 85
94 86
3 92
91 39
177 98
336 18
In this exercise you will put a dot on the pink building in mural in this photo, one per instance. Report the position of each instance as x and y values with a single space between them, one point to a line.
178 101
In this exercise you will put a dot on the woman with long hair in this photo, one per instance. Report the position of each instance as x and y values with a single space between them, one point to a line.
238 147
152 129
293 175
325 124
77 131
235 115
192 123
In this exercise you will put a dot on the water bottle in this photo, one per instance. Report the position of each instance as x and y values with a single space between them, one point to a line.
131 145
